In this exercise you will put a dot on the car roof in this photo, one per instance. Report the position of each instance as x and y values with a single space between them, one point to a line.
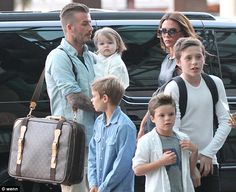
99 15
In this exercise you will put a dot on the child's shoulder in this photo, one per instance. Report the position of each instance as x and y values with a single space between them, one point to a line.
148 139
99 118
125 120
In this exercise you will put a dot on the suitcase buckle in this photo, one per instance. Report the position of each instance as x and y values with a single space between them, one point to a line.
57 134
20 144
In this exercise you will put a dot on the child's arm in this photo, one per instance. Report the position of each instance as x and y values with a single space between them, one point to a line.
195 174
92 172
167 158
118 68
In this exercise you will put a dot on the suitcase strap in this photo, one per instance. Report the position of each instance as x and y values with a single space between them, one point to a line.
55 147
21 140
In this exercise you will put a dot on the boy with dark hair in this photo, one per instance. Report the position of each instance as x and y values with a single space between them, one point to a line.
164 156
114 140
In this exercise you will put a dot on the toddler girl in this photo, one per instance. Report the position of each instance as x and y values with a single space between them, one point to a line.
110 46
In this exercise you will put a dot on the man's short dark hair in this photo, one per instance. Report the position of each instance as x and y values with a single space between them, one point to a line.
67 12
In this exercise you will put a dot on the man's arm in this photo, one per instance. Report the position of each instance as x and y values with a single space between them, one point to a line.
80 101
60 69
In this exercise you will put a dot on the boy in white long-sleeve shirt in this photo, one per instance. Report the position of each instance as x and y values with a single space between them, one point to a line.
197 122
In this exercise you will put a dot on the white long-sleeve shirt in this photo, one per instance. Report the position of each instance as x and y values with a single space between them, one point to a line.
197 122
112 65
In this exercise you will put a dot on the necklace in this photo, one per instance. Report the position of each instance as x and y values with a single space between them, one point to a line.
165 135
173 135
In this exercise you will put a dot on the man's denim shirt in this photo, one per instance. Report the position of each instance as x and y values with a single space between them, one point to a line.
61 81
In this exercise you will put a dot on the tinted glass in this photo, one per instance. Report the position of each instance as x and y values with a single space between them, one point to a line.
226 41
22 59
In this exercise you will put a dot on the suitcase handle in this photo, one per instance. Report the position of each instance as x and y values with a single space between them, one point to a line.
58 118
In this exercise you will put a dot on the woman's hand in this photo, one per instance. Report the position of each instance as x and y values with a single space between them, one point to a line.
196 177
232 120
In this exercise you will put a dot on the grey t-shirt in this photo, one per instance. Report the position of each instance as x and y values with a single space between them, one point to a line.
174 171
167 69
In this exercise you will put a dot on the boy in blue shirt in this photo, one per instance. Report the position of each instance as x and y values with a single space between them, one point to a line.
112 146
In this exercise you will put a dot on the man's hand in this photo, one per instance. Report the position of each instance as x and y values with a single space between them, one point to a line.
206 165
79 101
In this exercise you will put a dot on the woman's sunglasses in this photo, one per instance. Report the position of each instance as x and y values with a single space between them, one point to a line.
171 32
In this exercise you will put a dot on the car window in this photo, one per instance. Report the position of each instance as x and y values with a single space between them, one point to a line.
22 59
226 41
23 54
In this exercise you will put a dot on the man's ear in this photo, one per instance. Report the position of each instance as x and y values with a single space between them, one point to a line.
69 27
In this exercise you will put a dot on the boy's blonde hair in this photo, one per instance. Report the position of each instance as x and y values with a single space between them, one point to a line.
109 33
160 100
110 86
185 42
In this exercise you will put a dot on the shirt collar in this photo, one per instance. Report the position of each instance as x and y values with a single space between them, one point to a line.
114 117
100 56
70 49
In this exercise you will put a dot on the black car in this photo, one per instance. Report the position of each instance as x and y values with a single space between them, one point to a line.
26 38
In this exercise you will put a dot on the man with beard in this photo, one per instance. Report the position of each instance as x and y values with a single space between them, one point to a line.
69 73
